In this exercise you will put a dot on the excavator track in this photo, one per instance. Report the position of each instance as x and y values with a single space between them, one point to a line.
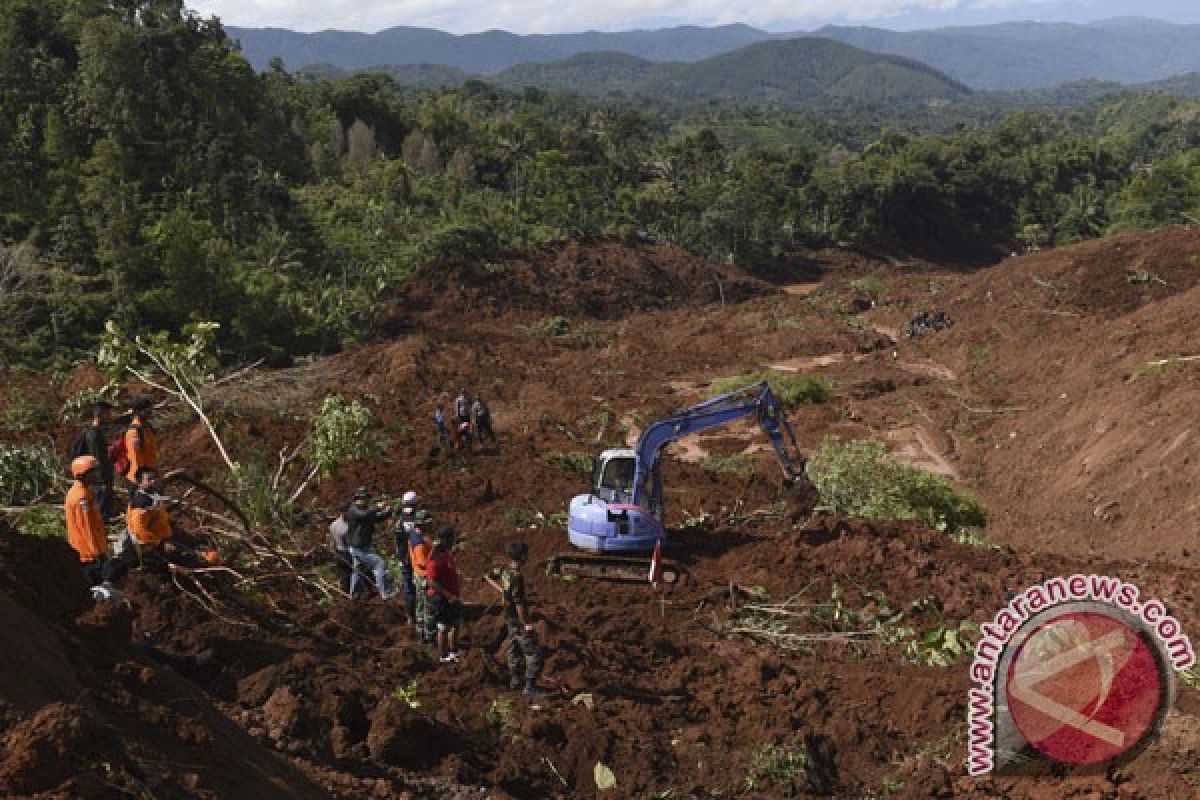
615 569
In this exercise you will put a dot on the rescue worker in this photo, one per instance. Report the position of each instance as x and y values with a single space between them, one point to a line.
85 526
405 523
439 424
524 652
362 518
92 442
155 538
482 417
343 562
462 407
419 549
444 593
141 443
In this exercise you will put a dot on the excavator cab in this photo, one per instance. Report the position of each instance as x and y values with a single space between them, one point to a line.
612 477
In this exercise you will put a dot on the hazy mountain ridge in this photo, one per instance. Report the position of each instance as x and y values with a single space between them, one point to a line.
1010 55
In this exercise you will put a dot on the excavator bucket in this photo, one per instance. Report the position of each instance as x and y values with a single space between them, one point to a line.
614 569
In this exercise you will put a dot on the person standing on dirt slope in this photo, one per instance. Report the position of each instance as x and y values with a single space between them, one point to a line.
154 535
343 562
85 526
439 425
462 406
524 652
444 594
482 417
141 442
403 529
91 441
361 537
419 550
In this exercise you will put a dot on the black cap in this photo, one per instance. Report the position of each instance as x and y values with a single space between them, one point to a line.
517 551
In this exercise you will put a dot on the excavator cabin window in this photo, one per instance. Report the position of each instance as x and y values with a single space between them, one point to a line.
614 479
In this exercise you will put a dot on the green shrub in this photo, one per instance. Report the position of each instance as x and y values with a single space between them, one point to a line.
44 521
791 389
780 766
857 479
580 463
28 474
549 327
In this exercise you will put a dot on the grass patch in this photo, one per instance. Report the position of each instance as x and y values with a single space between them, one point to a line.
736 464
797 322
871 286
1160 366
792 390
780 766
548 328
857 479
579 463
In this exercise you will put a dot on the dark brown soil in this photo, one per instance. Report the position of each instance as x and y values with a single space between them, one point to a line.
311 698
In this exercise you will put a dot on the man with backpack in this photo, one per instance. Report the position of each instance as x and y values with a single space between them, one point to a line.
141 442
462 424
91 441
362 519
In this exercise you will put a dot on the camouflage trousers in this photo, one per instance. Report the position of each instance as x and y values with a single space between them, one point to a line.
426 624
524 653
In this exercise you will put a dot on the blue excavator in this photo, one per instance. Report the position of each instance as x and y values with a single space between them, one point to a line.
623 511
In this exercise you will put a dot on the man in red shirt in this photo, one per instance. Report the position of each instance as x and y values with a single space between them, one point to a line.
445 601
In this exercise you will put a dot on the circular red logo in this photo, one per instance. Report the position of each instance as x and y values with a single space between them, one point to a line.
1085 687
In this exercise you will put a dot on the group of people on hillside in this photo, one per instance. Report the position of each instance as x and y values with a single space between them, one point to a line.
101 471
472 423
431 583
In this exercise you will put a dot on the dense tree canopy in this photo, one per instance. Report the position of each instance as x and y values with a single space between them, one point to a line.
148 174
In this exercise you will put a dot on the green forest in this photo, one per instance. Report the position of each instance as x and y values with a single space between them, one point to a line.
150 176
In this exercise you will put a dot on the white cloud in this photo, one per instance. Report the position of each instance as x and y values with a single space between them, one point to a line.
553 16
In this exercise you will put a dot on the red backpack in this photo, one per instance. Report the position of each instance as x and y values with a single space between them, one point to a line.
118 456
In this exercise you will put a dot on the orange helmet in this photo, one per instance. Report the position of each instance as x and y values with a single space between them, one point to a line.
82 465
211 557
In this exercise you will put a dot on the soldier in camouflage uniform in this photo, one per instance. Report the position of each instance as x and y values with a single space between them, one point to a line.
524 653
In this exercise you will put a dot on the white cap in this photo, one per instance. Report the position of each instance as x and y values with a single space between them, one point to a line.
410 498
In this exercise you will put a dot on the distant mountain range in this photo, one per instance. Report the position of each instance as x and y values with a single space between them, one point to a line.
808 72
1015 55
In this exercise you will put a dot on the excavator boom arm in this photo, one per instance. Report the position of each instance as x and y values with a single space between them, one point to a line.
756 400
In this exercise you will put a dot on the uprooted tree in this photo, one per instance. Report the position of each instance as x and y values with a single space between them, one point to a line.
260 501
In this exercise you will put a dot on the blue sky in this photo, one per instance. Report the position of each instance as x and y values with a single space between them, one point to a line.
555 16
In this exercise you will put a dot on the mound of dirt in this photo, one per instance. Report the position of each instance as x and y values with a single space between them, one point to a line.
1076 394
86 717
603 279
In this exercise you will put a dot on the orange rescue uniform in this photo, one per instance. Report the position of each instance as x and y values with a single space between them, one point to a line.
141 448
85 527
149 526
418 556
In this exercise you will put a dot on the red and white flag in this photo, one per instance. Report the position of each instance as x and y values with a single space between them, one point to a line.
656 564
